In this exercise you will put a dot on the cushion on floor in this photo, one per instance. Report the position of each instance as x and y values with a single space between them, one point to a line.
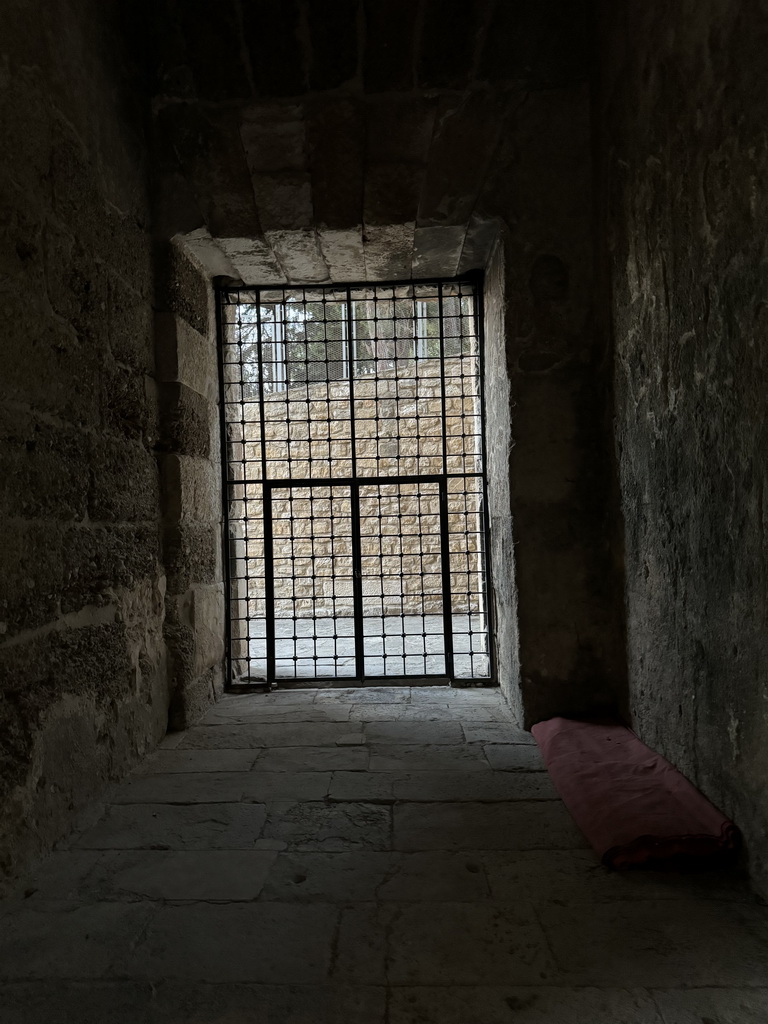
635 808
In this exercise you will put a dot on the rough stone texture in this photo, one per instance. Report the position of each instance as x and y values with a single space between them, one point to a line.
82 675
320 912
687 256
190 475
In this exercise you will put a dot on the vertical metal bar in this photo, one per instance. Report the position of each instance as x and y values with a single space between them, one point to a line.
442 373
357 580
225 491
269 581
445 558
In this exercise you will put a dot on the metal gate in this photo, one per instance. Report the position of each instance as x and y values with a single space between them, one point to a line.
355 484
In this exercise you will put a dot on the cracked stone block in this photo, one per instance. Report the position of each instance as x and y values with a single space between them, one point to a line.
504 1003
545 825
514 757
67 940
274 713
182 874
480 786
679 943
491 732
268 1003
176 760
277 734
468 944
182 788
575 877
413 732
361 950
320 759
424 758
720 1006
339 877
168 826
319 826
238 942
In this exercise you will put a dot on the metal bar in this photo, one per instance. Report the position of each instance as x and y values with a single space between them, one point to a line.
357 581
269 584
445 558
225 492
467 278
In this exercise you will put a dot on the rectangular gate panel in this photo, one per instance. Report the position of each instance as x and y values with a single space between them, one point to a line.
403 600
310 571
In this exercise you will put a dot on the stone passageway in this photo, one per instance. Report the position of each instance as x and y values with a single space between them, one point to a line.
383 855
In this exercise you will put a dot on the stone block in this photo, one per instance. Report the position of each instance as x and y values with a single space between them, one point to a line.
389 34
457 786
253 260
298 253
130 404
300 734
204 942
428 733
469 944
514 826
182 788
408 758
339 877
182 288
514 757
343 253
65 940
176 827
448 40
124 481
392 193
166 761
272 37
336 142
318 759
538 1004
266 787
333 44
274 138
320 826
388 251
398 129
495 733
130 326
185 420
435 877
211 875
725 1006
185 356
191 488
284 200
669 945
437 250
192 555
214 51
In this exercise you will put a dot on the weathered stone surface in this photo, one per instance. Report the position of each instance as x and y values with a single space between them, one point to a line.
496 941
300 734
514 757
730 1006
320 759
65 940
535 1005
209 943
689 315
182 788
198 761
394 757
168 827
319 826
336 138
514 826
413 732
692 946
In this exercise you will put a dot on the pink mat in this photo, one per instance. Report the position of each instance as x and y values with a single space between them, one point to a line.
634 807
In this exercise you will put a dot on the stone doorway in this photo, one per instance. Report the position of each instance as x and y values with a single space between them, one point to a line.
355 496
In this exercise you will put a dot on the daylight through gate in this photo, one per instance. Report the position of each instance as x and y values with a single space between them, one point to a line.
355 483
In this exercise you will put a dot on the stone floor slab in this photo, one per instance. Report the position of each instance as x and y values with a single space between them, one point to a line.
713 1006
416 757
495 732
275 734
165 761
238 942
320 826
341 877
512 1005
496 787
409 733
376 787
173 827
468 944
664 944
514 757
182 788
57 939
265 787
525 825
308 759
78 1002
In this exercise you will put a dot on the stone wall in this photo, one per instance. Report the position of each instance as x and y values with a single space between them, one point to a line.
684 158
189 453
83 690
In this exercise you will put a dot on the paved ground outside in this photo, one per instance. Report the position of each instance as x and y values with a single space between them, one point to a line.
377 856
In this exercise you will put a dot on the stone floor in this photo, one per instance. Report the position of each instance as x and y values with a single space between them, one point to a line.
362 857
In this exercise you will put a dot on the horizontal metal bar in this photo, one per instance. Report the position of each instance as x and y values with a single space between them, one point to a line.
472 277
362 481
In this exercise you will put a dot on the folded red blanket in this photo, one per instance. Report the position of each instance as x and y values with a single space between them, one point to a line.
632 805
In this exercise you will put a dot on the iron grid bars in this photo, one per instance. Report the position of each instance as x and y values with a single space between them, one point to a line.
355 483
